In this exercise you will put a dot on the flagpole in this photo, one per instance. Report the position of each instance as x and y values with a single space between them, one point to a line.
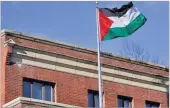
98 53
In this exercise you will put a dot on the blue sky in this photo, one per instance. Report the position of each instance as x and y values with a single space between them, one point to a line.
75 23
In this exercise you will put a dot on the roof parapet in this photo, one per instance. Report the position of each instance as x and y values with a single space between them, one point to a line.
6 31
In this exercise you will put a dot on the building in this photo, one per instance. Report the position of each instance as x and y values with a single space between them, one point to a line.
37 72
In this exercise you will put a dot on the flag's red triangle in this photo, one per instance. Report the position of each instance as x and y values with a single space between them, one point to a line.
105 24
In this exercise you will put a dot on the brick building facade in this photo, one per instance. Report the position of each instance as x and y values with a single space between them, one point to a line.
39 72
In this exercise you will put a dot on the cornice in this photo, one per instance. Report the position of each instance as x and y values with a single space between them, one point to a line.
81 49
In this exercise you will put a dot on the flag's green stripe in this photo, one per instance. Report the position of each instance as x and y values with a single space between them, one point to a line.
128 30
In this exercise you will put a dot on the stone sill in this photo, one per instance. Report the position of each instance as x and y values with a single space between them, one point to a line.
36 102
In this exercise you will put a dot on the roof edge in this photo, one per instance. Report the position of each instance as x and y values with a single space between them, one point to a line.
6 31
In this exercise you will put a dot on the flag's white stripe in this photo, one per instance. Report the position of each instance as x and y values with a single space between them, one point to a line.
117 22
130 15
124 20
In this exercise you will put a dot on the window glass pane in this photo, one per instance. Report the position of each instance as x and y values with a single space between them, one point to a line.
47 92
27 89
90 99
127 104
155 106
124 102
37 90
96 100
152 104
148 105
120 102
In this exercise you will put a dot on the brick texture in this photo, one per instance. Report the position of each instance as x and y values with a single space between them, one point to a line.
72 89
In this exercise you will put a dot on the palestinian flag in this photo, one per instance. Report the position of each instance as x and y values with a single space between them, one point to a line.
120 22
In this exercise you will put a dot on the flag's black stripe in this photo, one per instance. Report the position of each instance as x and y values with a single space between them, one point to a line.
116 12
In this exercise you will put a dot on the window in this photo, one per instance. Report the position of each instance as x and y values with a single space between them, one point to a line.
38 89
124 102
27 89
93 98
150 104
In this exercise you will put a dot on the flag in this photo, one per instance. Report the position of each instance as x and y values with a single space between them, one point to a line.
120 22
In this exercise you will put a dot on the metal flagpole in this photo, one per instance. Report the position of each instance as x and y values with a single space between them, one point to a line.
99 64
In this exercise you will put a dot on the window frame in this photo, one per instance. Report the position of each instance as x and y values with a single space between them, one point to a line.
94 93
52 86
124 98
151 103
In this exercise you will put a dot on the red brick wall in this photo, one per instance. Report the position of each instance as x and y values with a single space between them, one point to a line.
114 62
72 89
3 65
